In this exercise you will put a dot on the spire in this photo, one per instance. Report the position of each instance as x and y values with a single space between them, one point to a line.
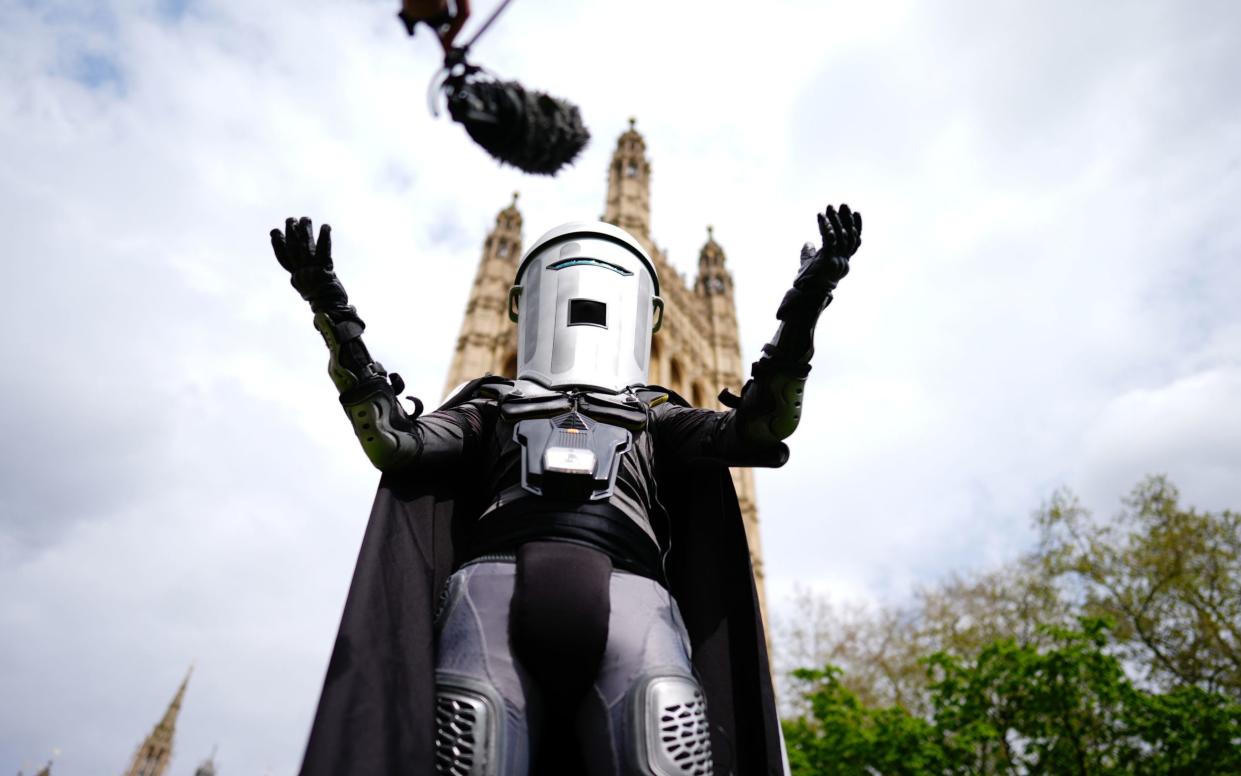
510 217
713 276
504 242
46 770
208 766
169 722
628 203
155 753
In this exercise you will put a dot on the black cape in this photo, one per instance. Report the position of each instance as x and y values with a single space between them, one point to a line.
376 711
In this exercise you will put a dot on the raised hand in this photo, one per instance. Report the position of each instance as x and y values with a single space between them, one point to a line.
770 404
822 268
309 263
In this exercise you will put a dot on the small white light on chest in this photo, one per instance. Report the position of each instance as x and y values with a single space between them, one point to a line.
569 460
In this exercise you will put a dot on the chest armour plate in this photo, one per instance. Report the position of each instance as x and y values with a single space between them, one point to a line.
571 444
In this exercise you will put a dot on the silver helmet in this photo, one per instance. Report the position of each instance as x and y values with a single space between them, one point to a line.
586 301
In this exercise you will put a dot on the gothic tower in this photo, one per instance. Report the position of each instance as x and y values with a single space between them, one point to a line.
696 353
713 290
155 753
629 186
488 339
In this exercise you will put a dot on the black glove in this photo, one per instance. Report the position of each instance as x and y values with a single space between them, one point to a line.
769 407
822 269
812 290
310 268
310 264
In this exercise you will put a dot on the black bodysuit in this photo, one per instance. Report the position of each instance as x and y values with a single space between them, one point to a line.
630 524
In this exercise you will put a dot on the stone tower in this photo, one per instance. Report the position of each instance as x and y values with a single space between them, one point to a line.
697 351
488 339
155 753
208 766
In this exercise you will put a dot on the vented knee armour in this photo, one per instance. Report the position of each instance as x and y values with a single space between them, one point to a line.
469 727
668 726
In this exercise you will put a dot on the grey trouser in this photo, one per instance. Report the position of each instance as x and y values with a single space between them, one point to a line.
645 713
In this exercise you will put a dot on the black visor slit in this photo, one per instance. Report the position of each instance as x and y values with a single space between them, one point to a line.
588 312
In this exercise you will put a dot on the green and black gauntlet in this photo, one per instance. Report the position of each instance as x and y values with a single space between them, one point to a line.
769 407
367 392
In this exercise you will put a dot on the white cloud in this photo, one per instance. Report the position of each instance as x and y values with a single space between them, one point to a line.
1189 429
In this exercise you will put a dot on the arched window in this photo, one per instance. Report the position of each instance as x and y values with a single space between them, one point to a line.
656 370
699 395
509 369
676 376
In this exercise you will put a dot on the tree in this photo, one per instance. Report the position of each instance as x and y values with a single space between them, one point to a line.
880 651
1167 576
1064 708
1113 646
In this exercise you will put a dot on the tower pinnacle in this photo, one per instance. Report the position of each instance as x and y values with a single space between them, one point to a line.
711 272
628 203
208 766
155 752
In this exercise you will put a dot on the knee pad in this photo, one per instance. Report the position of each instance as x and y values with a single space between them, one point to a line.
668 727
469 727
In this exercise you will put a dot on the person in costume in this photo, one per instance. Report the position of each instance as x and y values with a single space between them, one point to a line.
555 577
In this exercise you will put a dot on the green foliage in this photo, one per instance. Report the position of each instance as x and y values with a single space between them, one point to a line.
1170 578
1064 709
843 735
1113 647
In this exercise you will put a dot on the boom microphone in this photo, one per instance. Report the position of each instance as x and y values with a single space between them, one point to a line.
529 130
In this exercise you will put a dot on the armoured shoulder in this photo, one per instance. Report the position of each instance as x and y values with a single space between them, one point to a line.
526 399
656 395
489 387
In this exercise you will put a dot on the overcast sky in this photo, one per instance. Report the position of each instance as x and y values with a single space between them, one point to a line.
1047 296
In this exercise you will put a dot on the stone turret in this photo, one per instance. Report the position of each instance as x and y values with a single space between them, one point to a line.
714 290
155 753
628 202
207 768
488 339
